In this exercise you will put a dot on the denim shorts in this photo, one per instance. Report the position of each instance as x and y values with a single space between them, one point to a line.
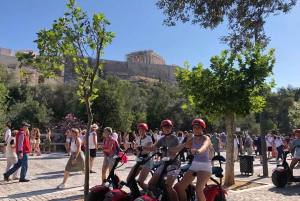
201 166
148 164
173 170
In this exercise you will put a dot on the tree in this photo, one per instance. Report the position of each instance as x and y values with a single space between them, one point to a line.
4 93
245 18
75 43
294 114
224 90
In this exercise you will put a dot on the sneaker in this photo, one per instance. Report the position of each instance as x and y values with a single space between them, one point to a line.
16 178
6 177
24 180
62 185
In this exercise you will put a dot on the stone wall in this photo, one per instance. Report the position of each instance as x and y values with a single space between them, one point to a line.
125 70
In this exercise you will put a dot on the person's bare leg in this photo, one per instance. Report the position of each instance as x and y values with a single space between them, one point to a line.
91 163
104 169
202 178
183 184
142 178
66 175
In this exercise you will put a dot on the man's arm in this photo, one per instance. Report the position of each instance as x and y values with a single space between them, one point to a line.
20 143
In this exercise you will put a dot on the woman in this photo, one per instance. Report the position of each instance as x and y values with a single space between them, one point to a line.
93 145
145 141
278 145
236 144
38 141
181 138
201 165
32 142
76 160
47 142
126 140
109 150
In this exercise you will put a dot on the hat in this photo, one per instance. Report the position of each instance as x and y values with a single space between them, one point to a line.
156 129
108 129
95 126
190 131
24 124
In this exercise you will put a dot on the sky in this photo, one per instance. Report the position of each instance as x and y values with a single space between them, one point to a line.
139 26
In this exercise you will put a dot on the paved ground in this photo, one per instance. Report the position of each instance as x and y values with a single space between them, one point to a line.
46 172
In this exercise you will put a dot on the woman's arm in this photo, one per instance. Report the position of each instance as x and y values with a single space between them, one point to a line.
148 144
187 144
78 145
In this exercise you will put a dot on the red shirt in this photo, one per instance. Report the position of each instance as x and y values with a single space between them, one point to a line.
26 143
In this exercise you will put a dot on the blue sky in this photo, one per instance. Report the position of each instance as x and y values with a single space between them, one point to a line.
138 26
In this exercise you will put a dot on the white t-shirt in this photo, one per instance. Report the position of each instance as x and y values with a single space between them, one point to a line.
269 140
7 134
10 152
236 142
115 136
143 142
278 142
91 141
158 137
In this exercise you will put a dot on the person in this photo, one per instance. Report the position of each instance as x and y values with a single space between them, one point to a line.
47 142
236 144
201 163
115 135
6 137
248 145
93 145
278 145
38 141
22 150
32 142
181 138
109 150
269 141
11 156
67 144
143 141
168 140
215 141
224 138
82 137
295 142
76 160
126 140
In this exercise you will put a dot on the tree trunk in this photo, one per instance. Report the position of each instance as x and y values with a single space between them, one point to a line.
263 144
87 151
229 170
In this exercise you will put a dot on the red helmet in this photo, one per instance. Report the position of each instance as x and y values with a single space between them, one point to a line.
199 122
142 125
297 131
166 122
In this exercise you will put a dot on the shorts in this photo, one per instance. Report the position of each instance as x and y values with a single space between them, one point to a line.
38 141
148 164
224 143
109 161
93 153
259 151
173 170
33 141
201 166
269 148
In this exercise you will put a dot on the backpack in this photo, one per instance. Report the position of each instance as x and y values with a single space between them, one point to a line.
247 144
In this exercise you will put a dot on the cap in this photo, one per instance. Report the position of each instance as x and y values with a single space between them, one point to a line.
297 131
24 124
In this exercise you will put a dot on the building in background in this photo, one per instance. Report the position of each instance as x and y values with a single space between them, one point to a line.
146 57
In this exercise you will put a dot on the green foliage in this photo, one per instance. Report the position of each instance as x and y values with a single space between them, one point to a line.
4 93
248 124
294 114
245 18
224 89
30 111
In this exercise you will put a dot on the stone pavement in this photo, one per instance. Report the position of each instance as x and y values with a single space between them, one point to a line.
46 172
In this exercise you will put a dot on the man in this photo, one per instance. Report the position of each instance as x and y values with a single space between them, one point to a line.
215 141
115 135
6 138
22 149
269 141
224 138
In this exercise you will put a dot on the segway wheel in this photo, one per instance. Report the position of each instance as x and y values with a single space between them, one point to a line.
279 179
218 197
191 194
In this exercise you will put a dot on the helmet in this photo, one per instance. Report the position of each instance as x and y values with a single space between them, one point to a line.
142 125
166 122
297 131
199 122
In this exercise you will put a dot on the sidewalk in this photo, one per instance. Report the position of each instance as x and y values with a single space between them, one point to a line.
46 172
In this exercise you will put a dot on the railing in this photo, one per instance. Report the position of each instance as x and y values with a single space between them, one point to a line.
54 145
